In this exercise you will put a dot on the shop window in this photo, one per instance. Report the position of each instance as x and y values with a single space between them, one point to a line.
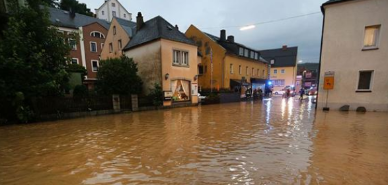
365 81
181 90
180 58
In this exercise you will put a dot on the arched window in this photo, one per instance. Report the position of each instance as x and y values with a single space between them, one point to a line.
97 34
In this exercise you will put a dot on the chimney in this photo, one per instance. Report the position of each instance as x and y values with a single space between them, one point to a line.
139 21
176 26
223 35
284 47
231 38
72 13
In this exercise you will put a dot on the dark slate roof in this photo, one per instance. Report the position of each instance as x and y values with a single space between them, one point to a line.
157 28
62 18
233 47
128 26
283 57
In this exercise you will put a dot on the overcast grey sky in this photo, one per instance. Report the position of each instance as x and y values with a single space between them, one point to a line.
213 15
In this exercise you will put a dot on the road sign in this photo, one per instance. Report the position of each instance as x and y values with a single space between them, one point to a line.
328 83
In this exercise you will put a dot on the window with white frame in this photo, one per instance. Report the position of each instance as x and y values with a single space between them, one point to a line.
114 13
246 52
74 61
241 51
282 71
95 65
239 69
97 34
257 57
180 58
110 47
231 68
365 81
73 44
275 71
93 46
252 54
371 36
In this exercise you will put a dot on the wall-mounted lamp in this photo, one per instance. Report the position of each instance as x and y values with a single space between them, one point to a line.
195 77
166 76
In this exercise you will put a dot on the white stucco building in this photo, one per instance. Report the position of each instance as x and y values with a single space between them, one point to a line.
355 48
112 8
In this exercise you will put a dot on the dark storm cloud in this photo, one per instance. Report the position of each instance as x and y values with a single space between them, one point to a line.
212 15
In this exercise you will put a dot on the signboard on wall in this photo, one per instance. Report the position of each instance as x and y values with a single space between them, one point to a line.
194 89
167 95
328 83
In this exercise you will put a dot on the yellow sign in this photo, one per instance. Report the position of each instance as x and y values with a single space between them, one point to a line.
329 83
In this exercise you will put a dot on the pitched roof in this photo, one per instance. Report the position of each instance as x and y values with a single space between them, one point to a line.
334 1
233 47
157 28
282 57
62 18
128 26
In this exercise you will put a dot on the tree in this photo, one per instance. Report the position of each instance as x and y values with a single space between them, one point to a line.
33 57
156 95
75 6
118 76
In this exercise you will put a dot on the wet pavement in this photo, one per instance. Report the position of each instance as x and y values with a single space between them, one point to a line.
277 141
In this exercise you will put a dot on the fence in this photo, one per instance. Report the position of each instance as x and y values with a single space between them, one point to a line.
125 102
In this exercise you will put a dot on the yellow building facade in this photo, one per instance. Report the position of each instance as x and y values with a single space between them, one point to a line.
225 62
282 77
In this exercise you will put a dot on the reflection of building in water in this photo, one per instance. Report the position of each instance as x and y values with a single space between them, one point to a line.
181 90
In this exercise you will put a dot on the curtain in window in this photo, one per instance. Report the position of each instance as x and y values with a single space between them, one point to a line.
370 36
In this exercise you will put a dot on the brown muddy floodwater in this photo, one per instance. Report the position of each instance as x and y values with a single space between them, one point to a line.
276 141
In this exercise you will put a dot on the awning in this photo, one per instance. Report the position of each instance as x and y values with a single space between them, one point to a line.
234 83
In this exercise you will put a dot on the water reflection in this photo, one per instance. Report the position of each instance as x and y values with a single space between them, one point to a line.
276 141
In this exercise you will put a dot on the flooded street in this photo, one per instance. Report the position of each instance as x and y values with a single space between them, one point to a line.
276 141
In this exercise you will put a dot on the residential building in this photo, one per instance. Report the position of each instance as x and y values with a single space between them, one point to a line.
86 35
119 34
309 74
112 8
165 56
355 51
227 64
283 66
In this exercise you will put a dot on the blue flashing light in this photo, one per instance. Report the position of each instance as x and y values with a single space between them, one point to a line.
269 83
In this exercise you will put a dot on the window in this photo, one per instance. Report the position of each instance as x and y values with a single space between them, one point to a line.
258 72
110 48
113 5
246 53
246 71
252 54
239 69
114 30
114 13
102 12
371 36
275 71
73 44
253 71
125 15
200 70
278 82
93 46
94 65
257 57
97 34
180 58
231 68
365 81
241 51
102 46
180 90
272 61
120 44
282 71
74 61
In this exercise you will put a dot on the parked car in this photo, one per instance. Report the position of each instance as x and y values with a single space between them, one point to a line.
281 92
312 91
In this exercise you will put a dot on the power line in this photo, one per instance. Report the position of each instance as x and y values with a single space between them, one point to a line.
266 22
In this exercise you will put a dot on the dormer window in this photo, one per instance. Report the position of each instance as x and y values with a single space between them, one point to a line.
252 54
97 34
246 53
241 51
